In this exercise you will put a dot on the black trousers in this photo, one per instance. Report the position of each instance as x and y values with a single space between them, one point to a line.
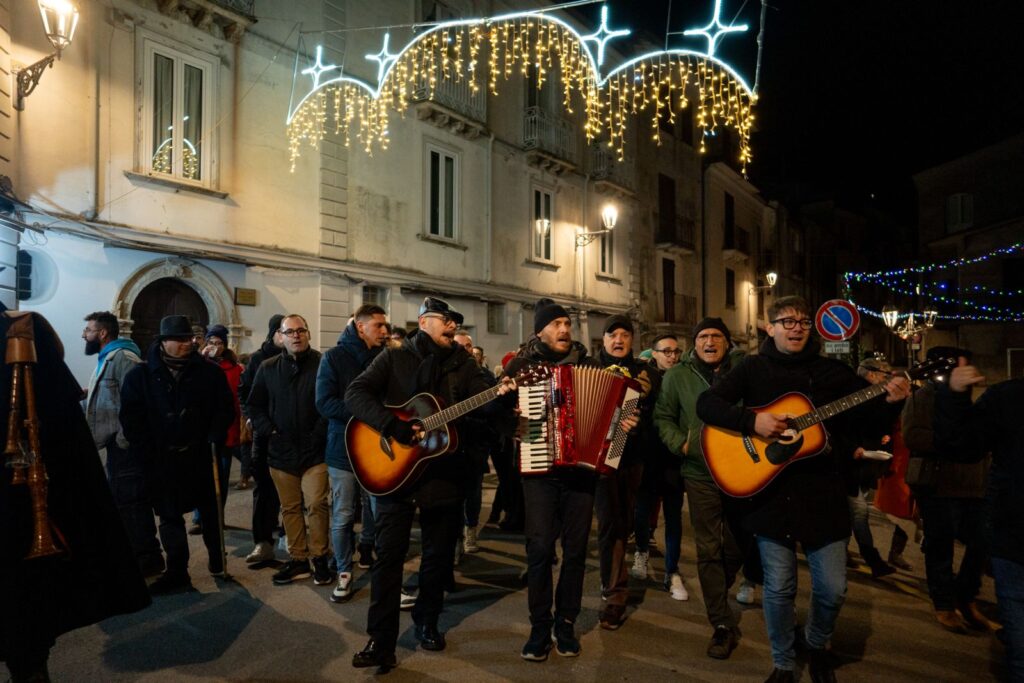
719 554
616 507
440 528
947 520
266 506
175 540
557 504
509 496
127 477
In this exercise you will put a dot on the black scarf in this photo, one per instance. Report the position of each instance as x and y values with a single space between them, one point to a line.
174 365
539 351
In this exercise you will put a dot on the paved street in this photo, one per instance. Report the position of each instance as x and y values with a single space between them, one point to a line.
248 629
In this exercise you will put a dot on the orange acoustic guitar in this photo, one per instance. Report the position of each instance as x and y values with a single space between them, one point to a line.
744 465
383 465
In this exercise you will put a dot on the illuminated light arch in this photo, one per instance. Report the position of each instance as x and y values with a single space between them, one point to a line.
516 42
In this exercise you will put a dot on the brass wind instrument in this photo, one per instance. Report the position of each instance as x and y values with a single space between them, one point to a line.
27 464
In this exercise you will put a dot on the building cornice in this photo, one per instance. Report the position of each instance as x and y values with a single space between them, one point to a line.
278 258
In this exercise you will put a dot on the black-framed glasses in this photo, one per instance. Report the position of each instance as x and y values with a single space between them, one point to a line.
669 352
443 317
297 332
790 323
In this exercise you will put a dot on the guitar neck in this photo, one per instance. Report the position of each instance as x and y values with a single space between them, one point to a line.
443 417
835 407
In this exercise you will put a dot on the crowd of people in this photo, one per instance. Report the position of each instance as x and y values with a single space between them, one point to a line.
173 418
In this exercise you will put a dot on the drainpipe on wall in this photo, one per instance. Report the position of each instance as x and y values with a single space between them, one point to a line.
581 260
488 207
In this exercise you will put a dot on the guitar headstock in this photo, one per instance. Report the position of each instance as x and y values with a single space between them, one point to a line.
931 368
533 374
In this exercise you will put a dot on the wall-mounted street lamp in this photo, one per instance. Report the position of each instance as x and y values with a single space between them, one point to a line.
771 277
609 216
60 19
910 331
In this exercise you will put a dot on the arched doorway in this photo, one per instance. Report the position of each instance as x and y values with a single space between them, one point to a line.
160 298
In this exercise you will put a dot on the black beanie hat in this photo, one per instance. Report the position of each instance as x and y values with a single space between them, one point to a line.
544 312
274 325
616 321
712 324
218 331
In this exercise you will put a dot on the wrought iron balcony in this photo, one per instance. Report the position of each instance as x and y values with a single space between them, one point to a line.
550 140
611 175
453 104
676 235
679 309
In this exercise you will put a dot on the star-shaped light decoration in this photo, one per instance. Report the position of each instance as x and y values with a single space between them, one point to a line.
720 30
602 35
383 58
319 68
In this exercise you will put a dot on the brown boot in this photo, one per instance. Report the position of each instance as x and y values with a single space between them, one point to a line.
976 619
951 620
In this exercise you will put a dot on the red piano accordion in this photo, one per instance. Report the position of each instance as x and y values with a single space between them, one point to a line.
572 420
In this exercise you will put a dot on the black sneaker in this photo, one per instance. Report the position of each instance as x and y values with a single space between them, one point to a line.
821 665
293 570
566 642
539 644
365 555
322 575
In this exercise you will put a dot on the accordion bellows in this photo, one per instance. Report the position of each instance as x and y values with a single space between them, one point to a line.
572 420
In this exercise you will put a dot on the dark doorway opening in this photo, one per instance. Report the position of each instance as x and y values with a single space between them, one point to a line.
160 298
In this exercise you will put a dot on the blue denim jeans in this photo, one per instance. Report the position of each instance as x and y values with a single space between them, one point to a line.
344 489
828 591
1009 577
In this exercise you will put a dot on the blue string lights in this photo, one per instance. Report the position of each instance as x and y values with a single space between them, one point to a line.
971 299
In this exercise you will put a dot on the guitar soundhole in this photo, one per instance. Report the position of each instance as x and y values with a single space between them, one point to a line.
779 452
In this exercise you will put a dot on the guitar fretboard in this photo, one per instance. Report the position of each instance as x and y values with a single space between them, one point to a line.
456 411
835 407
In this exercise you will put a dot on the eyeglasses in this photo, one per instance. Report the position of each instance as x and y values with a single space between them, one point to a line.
446 319
214 342
297 332
669 352
790 323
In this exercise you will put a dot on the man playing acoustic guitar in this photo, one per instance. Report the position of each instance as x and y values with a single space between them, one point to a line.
428 361
806 501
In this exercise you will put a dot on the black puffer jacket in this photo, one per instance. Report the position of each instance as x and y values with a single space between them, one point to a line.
282 407
396 375
807 500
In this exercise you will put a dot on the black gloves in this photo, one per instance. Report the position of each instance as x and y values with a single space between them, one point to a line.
401 431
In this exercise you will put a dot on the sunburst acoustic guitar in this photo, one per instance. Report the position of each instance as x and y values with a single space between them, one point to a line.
384 466
744 465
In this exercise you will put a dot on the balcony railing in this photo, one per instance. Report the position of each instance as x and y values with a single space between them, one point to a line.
243 7
676 234
549 133
680 309
604 165
737 239
455 95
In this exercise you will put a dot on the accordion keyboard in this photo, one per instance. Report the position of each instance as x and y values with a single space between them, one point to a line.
535 452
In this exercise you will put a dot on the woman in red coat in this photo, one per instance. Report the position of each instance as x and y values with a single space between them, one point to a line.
894 498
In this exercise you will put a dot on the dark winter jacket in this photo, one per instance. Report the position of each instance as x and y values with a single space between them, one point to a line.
993 424
282 407
807 500
170 423
267 351
675 414
338 367
953 478
396 375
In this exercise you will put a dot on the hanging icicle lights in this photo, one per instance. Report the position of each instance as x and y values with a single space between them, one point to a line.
487 52
977 302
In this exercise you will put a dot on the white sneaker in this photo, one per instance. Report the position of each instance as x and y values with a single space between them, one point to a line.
639 570
470 544
263 552
677 588
408 600
745 595
343 591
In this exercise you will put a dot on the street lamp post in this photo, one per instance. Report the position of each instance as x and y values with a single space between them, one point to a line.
60 19
912 330
771 277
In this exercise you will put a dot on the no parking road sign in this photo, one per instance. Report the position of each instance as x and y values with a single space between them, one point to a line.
837 320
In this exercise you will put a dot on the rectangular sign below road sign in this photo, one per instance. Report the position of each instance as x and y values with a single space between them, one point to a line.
837 347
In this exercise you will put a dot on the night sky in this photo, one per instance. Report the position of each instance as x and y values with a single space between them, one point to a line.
856 96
